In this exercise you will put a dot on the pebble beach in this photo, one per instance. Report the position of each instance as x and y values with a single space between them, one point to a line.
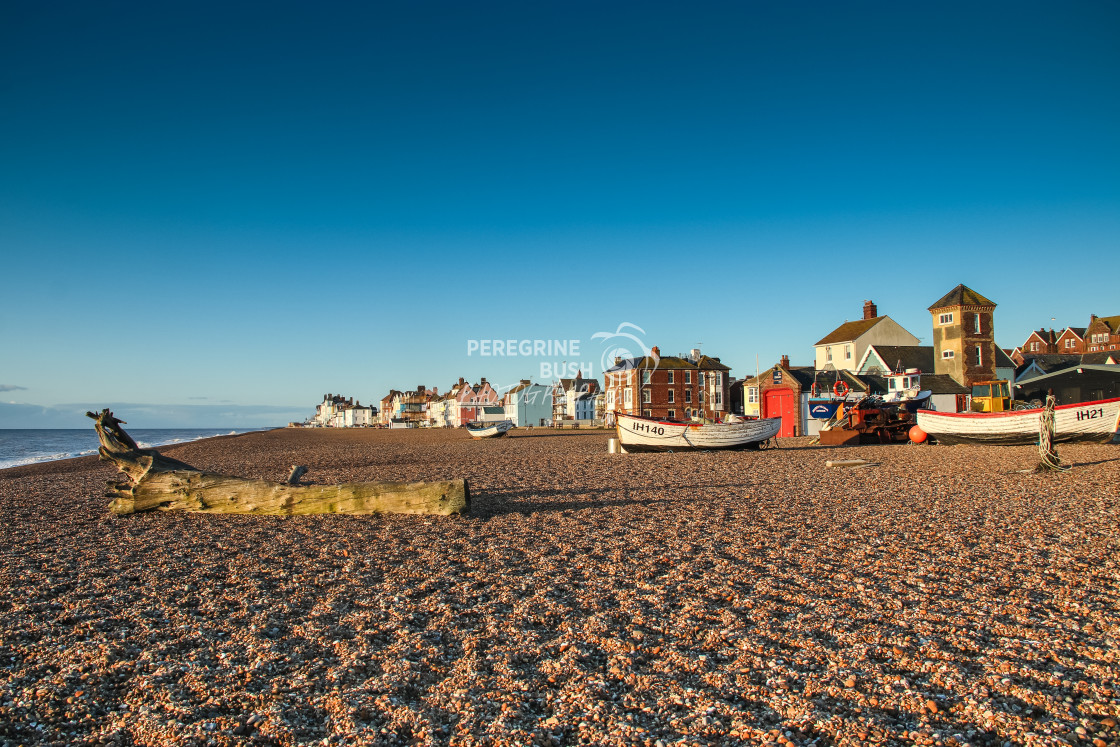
937 596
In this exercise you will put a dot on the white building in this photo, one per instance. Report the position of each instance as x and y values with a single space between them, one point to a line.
843 348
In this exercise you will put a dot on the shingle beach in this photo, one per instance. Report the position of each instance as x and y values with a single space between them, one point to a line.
939 596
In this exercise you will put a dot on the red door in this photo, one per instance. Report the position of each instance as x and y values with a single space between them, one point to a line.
781 403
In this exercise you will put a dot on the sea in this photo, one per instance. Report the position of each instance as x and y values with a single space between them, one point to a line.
20 446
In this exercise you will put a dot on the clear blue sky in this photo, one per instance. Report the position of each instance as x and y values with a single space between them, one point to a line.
233 210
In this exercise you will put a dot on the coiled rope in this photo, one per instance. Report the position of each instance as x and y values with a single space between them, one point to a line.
1049 459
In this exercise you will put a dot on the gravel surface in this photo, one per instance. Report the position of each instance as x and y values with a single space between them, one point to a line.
938 596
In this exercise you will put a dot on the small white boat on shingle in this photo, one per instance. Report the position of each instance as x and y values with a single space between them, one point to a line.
490 430
650 434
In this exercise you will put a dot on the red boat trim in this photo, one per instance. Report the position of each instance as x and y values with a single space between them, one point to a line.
1011 413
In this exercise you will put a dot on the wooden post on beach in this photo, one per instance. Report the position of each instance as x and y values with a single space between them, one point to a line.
160 483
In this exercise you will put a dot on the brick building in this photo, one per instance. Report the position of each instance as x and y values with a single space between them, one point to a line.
964 336
669 387
1102 334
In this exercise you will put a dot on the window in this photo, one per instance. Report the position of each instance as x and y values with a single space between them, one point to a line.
1034 346
1069 342
719 398
610 397
672 414
847 352
672 396
647 413
687 395
752 394
979 355
945 319
976 323
700 378
645 377
777 376
629 396
828 353
670 377
701 400
645 396
719 378
946 354
688 377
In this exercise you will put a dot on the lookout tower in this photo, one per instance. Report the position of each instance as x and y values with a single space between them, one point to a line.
964 341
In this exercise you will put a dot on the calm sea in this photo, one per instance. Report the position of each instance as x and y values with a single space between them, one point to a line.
28 446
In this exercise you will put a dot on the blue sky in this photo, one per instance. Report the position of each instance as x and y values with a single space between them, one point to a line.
233 211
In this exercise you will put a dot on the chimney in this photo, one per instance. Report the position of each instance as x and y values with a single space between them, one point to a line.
526 381
420 389
655 351
870 311
483 379
618 360
435 390
461 382
694 354
784 362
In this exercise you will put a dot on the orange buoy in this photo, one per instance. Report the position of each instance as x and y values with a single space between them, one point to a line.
917 435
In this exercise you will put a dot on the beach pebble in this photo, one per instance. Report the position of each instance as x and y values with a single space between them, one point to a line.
652 599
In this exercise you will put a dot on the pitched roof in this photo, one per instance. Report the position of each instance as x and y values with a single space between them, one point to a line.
905 356
1079 331
664 362
962 295
586 385
1003 360
711 364
1100 358
849 331
1113 323
1050 363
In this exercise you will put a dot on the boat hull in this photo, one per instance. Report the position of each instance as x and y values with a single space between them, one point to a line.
648 434
492 430
1095 421
824 409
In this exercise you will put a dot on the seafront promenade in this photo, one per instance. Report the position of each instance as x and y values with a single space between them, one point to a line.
940 595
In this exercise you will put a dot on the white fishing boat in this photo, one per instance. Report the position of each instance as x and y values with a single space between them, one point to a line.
650 434
1095 421
904 388
490 430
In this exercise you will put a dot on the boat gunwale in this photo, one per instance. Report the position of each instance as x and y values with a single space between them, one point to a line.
1013 413
681 424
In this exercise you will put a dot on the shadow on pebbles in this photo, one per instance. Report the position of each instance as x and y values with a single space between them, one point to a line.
940 596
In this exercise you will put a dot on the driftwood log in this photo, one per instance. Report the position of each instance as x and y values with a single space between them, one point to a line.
160 483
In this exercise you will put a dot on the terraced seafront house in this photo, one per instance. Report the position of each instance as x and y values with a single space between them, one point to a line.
844 347
529 404
669 387
566 395
1102 334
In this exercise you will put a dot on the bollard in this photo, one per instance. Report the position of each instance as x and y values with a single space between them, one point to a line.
612 446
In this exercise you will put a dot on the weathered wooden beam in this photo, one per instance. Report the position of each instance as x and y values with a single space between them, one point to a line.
159 483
